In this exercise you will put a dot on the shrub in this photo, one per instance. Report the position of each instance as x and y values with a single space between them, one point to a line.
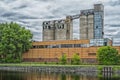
108 56
76 59
63 59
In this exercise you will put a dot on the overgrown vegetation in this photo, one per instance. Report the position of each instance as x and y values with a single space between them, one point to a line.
76 59
108 56
63 59
14 40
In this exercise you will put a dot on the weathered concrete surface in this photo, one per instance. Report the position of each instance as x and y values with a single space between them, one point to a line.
50 69
81 70
89 71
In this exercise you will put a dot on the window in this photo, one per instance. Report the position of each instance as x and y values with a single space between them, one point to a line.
62 26
66 46
61 46
96 26
40 46
33 47
44 27
91 54
49 27
77 45
54 46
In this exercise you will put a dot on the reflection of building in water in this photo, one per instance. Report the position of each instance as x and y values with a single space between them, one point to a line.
58 76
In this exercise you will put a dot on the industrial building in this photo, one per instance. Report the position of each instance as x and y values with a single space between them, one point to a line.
51 51
58 29
57 38
91 23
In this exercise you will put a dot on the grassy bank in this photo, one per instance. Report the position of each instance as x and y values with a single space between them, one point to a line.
50 64
39 64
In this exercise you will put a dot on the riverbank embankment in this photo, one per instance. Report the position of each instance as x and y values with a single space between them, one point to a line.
60 68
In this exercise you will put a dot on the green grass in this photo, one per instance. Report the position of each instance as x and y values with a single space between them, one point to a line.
38 64
53 64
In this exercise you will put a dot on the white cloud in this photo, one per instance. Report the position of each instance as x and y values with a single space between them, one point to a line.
31 13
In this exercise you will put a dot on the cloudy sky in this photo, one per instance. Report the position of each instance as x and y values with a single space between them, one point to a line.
31 13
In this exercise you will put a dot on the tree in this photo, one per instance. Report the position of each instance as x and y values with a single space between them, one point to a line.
14 40
108 56
75 59
63 59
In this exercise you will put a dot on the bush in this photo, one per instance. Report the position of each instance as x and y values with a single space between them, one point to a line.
63 59
108 56
76 59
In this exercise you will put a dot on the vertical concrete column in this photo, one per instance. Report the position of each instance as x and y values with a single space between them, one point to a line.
48 30
60 30
69 25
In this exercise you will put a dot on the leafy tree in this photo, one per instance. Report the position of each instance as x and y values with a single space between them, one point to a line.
14 40
108 56
75 59
63 59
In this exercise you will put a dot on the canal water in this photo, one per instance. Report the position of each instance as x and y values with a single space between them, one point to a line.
10 75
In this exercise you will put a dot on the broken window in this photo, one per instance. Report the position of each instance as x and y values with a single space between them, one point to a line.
96 27
49 27
62 26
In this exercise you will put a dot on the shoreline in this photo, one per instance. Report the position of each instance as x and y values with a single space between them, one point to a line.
29 67
88 71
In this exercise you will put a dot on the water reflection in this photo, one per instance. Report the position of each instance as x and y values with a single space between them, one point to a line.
5 75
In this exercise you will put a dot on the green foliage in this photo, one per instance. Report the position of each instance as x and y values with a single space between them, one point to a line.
63 59
108 56
76 59
14 40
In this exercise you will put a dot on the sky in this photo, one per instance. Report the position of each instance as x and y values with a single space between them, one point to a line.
31 14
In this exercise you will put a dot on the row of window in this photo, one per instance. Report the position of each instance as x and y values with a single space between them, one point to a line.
58 27
93 42
54 22
61 46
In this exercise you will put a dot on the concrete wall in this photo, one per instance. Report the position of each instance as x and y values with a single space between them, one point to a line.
58 29
69 25
91 26
48 30
83 25
86 26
